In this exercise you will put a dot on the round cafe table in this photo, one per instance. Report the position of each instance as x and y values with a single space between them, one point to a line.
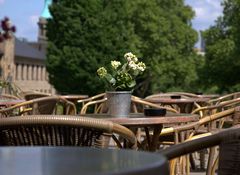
139 120
185 104
79 160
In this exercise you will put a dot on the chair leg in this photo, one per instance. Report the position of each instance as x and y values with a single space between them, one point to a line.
210 160
202 159
192 162
215 165
188 166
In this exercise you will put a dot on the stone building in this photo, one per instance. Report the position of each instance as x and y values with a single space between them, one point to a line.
23 63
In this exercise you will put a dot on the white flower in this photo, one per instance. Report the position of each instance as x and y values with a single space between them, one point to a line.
128 56
122 75
102 72
141 66
134 58
133 65
115 64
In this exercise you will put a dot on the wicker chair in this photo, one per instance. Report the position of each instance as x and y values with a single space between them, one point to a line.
96 102
93 98
8 97
44 105
225 98
137 103
217 107
212 109
61 130
34 95
229 154
192 130
168 95
96 106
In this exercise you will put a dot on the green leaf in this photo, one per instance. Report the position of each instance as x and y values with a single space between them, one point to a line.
131 84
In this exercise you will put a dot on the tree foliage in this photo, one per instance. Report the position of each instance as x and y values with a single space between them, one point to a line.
84 35
167 40
222 64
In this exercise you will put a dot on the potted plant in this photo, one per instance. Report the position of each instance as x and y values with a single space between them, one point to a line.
121 79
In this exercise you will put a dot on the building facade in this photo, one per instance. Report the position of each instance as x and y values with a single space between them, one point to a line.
24 65
23 62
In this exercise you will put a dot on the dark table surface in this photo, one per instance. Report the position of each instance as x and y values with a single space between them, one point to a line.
78 160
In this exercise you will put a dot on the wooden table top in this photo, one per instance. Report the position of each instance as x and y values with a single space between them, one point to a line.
176 101
138 119
77 160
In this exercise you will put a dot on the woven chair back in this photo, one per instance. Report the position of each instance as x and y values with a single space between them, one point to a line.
229 152
45 105
49 136
60 130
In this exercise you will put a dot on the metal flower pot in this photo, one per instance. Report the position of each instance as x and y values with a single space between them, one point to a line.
119 103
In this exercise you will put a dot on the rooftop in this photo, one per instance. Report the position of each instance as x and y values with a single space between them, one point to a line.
23 49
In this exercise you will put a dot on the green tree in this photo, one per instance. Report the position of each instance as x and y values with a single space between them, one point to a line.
166 44
222 65
84 35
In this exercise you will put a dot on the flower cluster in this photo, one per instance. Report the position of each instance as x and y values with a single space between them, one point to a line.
122 76
6 29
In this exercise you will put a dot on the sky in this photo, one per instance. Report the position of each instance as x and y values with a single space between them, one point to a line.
24 14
